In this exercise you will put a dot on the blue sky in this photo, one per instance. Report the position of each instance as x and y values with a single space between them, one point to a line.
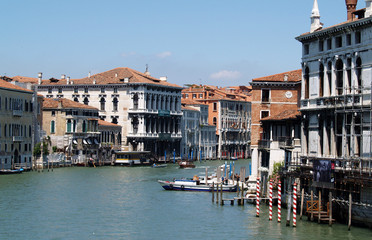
216 42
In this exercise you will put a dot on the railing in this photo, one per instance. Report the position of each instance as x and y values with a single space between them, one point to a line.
264 144
286 142
17 139
17 113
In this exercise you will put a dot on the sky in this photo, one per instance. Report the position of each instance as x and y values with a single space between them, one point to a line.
217 42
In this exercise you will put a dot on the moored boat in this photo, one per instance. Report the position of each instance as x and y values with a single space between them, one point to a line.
11 171
193 185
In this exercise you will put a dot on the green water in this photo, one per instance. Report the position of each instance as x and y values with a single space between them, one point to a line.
128 203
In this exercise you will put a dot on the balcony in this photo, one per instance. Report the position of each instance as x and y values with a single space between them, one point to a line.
17 139
264 144
17 113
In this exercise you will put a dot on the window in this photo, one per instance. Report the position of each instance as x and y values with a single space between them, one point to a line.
264 114
29 131
115 90
321 45
76 100
76 90
186 95
85 90
86 101
5 130
194 96
215 121
348 39
6 103
69 125
102 90
265 95
115 104
49 90
59 90
214 106
84 126
200 95
358 38
329 44
338 42
102 102
307 82
52 126
53 113
306 49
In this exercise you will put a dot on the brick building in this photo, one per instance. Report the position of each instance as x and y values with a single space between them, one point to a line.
271 96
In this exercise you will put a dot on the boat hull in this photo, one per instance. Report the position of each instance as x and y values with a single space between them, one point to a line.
167 185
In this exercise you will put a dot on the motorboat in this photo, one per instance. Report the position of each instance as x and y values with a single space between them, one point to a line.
193 185
159 165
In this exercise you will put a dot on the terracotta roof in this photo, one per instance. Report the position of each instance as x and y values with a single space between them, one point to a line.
286 115
189 109
187 101
104 123
50 103
25 79
113 76
292 76
8 85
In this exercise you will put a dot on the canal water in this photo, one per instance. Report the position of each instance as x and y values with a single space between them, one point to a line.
128 203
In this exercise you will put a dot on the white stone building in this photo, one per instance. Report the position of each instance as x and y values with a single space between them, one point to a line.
199 138
148 109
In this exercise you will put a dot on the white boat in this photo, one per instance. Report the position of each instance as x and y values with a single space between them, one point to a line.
193 185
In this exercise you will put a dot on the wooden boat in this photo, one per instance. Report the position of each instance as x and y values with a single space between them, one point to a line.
186 164
11 171
193 185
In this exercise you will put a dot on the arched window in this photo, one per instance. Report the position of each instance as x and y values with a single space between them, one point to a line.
339 76
29 131
102 101
329 76
307 82
135 101
215 121
119 138
115 104
5 130
52 126
115 120
86 101
359 73
321 79
76 99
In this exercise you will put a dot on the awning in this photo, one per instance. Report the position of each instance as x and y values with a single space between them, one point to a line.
96 141
74 142
85 141
89 141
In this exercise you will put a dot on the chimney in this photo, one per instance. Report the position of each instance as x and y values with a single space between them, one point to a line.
63 76
89 75
126 80
68 80
40 75
163 79
94 81
350 6
116 75
368 8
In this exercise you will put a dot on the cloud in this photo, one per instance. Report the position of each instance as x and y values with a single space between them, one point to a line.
226 74
164 54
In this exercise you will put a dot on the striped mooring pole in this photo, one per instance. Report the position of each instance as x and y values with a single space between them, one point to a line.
279 201
271 201
294 204
258 198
